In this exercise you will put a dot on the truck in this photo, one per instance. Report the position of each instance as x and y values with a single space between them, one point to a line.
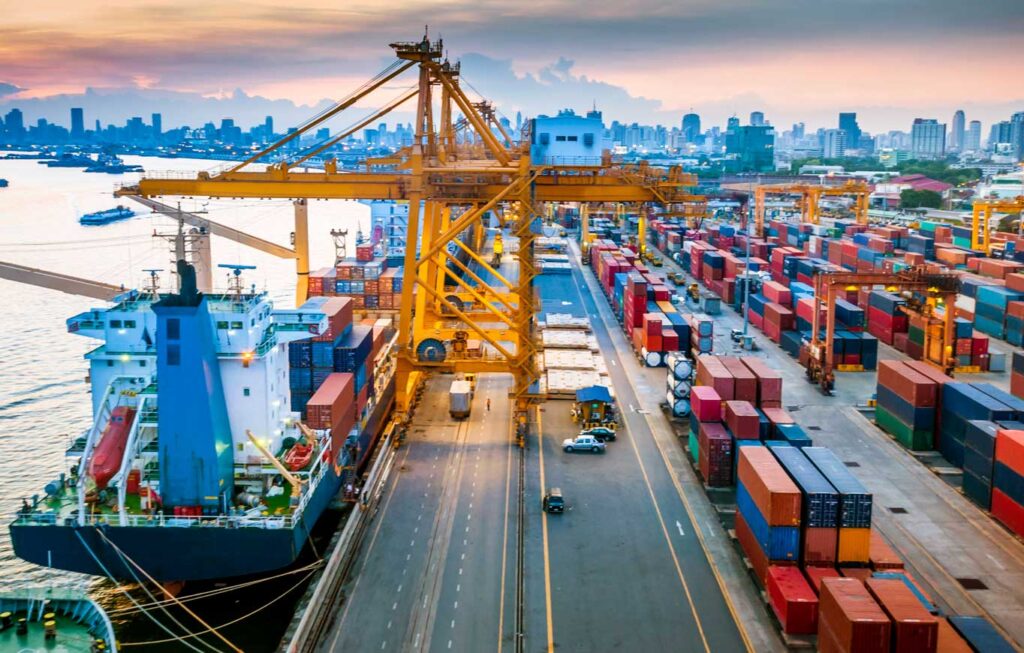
460 399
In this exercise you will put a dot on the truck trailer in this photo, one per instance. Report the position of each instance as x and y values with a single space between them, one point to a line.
460 399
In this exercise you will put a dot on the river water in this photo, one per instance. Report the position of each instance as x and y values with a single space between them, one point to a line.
44 400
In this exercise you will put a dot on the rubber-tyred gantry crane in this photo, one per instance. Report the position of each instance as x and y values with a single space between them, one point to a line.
456 172
981 219
932 286
809 197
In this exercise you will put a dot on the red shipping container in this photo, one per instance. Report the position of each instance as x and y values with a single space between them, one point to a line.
769 486
792 600
979 344
705 403
329 403
744 381
881 555
743 420
1017 384
849 619
755 319
817 574
1015 281
711 371
1010 449
1008 511
751 548
715 454
777 293
950 641
914 629
769 381
819 546
908 384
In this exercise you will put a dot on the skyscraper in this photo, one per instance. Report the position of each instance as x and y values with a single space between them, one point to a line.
753 145
77 124
15 122
158 125
972 141
756 119
927 139
691 127
833 143
268 127
848 123
798 130
732 123
956 134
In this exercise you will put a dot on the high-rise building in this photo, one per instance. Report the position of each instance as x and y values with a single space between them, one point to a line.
691 127
15 124
972 141
754 147
158 125
268 127
833 143
77 124
848 123
798 130
956 134
927 139
732 123
756 119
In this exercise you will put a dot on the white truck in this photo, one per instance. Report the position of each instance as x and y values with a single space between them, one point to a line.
460 399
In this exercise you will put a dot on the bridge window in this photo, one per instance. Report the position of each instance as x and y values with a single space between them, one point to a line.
174 355
588 140
572 138
245 392
236 325
560 139
129 324
173 328
222 325
545 139
115 324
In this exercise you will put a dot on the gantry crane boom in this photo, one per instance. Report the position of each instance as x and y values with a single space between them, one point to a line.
809 198
455 174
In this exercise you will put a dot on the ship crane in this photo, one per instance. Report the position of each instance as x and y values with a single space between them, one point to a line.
809 198
452 185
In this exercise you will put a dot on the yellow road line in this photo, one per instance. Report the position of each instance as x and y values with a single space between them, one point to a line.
504 539
668 538
679 490
544 531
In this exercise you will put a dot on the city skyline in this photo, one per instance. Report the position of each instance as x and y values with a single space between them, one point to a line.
726 58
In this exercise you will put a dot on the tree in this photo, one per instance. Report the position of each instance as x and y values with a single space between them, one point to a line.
912 199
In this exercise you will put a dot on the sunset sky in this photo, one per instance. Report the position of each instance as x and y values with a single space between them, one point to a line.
643 60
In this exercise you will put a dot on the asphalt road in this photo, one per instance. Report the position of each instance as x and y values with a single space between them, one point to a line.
430 575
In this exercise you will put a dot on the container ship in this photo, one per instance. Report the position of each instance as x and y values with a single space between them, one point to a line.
202 462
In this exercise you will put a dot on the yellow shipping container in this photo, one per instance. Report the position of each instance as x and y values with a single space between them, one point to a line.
854 545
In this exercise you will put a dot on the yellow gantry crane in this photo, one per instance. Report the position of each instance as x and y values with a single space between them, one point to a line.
809 198
457 172
981 219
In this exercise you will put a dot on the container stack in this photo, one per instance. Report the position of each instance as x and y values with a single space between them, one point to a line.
990 309
885 315
979 461
819 521
706 408
333 406
768 507
907 402
312 361
962 402
913 627
854 539
370 283
850 620
1008 480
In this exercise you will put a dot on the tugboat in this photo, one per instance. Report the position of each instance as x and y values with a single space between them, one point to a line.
198 465
106 217
53 619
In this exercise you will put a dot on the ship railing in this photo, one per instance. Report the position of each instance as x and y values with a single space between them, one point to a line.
268 522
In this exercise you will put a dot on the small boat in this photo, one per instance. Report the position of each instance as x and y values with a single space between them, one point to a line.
109 451
53 619
108 216
3 183
298 456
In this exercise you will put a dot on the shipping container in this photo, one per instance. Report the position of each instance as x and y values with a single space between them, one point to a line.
850 620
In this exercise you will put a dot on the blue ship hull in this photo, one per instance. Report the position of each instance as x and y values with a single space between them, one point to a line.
190 553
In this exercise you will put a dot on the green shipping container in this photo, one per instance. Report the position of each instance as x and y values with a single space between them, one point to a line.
915 440
694 449
916 335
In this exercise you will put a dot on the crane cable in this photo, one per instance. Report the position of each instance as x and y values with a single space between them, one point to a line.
179 603
229 623
131 598
222 590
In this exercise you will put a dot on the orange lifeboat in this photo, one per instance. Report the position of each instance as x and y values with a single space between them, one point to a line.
109 451
298 456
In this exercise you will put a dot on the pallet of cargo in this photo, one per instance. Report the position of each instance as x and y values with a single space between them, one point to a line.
568 339
565 321
568 359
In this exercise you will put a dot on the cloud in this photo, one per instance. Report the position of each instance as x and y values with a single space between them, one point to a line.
9 89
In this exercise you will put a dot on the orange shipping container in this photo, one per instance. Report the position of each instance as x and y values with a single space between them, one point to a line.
769 486
914 629
849 619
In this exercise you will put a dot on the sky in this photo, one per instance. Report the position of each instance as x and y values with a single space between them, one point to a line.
641 60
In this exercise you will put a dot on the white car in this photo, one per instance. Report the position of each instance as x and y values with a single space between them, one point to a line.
583 443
